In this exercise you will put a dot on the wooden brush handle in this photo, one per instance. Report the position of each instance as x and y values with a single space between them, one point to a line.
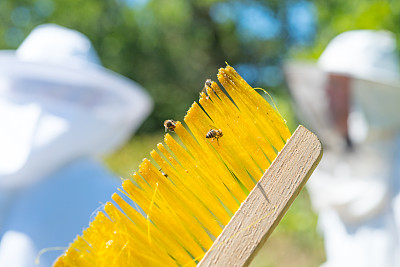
266 204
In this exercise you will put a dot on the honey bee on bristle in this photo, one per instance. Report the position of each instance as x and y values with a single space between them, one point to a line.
170 125
207 84
214 134
163 173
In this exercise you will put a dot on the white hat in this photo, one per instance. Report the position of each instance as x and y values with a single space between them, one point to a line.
364 54
370 58
57 103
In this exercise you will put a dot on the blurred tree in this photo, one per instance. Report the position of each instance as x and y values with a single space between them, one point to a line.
337 16
171 47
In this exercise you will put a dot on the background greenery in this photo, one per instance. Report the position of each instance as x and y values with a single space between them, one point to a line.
172 46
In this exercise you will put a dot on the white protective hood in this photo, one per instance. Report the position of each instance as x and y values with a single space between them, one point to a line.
57 103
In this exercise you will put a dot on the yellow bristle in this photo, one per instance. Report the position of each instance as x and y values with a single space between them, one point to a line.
193 187
204 215
195 120
201 190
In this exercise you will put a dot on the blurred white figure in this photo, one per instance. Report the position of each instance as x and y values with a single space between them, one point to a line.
59 111
351 99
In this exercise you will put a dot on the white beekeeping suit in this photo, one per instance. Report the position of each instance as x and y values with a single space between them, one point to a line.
59 110
351 99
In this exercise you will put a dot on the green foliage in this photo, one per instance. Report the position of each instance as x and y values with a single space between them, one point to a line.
170 47
337 16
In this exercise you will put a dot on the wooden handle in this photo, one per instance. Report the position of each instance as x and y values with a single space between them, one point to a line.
266 204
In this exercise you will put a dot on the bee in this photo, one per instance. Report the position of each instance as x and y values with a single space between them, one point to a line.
208 84
163 173
214 134
170 125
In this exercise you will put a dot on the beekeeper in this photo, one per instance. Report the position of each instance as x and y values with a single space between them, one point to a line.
59 111
351 99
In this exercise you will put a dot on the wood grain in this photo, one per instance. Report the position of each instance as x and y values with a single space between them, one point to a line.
267 203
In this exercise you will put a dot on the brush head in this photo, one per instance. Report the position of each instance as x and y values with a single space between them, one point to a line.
184 207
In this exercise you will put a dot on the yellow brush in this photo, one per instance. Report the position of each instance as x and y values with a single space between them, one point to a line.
198 180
